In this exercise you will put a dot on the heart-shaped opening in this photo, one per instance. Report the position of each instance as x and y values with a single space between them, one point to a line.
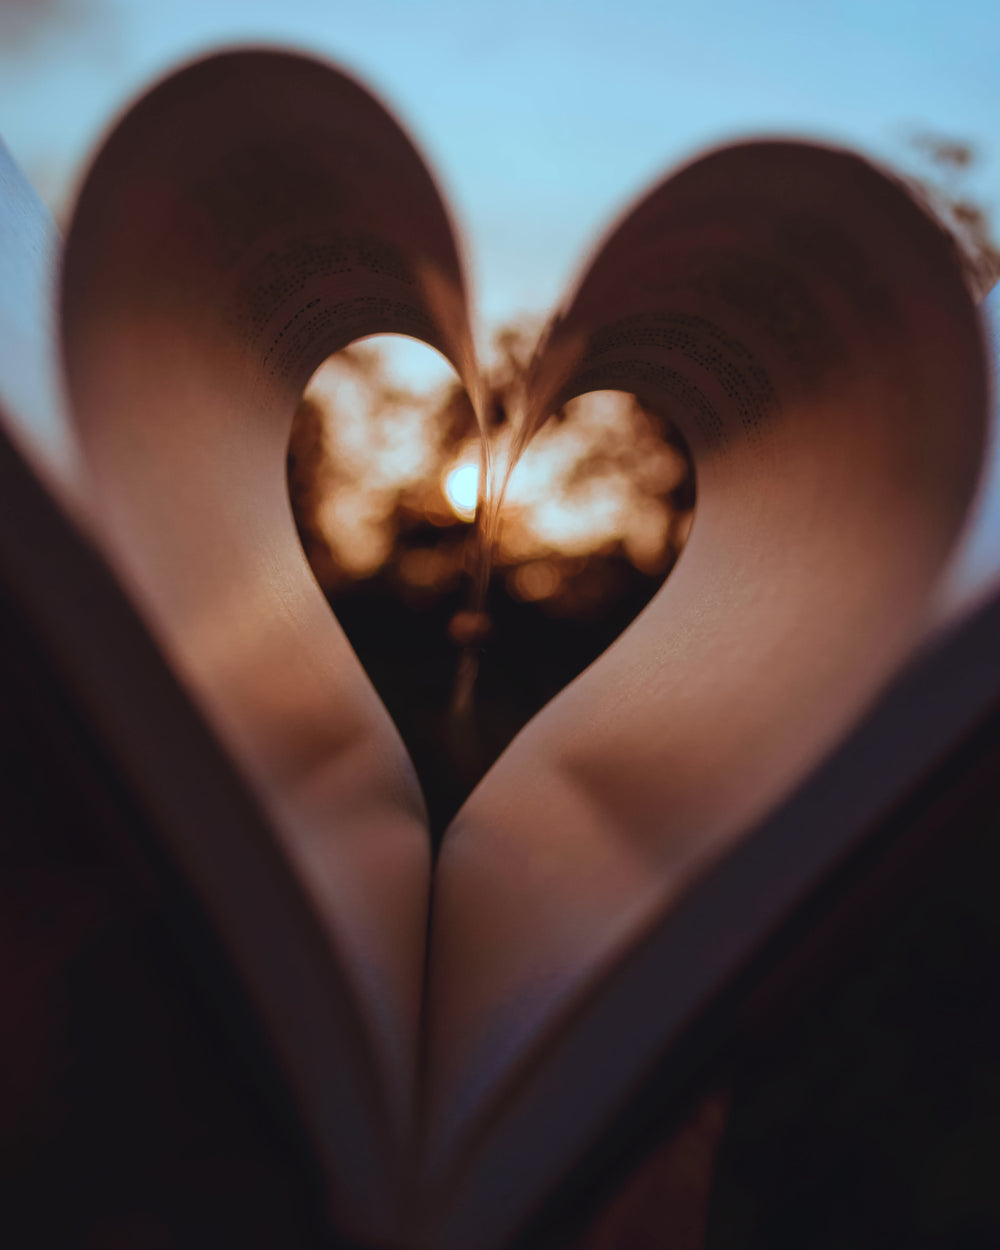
383 463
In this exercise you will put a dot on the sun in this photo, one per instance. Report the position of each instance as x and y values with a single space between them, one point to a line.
461 489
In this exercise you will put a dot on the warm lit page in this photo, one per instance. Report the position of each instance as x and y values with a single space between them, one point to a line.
809 330
251 215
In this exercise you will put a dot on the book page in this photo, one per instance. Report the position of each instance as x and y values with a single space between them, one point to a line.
142 788
254 213
808 329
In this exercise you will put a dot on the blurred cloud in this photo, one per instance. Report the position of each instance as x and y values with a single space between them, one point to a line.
25 25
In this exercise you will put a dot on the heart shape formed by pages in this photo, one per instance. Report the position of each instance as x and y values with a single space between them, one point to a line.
593 519
788 306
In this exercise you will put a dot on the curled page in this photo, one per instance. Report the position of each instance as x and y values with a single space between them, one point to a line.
252 214
808 328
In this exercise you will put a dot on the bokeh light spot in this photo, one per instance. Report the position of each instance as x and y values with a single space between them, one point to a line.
461 489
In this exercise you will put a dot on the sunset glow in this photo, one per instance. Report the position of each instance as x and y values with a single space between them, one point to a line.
393 445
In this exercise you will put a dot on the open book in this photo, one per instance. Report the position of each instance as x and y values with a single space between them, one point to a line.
456 1040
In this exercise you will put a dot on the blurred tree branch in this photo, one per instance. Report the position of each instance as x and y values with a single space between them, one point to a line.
941 189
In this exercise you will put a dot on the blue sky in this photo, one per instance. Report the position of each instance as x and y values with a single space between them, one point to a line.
541 119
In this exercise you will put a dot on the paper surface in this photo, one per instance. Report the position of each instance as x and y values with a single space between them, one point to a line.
810 332
253 214
792 311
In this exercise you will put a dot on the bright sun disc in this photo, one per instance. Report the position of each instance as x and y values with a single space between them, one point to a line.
461 487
